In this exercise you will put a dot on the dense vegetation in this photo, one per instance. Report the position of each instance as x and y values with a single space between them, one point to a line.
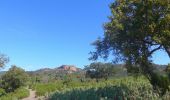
112 89
135 31
111 82
13 79
12 84
16 95
44 89
102 70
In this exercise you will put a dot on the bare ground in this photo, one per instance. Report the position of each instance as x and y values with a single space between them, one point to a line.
32 96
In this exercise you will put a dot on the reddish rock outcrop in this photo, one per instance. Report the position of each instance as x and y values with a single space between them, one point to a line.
68 68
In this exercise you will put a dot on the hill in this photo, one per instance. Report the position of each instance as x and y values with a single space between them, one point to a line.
63 68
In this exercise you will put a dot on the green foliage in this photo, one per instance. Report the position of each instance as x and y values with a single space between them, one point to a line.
101 70
90 94
136 29
133 70
13 79
127 88
2 92
161 82
16 95
45 89
117 89
168 68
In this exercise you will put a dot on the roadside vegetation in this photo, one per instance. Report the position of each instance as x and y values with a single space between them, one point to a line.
16 95
128 88
116 87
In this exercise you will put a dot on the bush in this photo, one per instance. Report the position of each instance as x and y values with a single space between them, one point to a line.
46 89
2 92
18 94
160 82
13 79
101 70
128 88
21 93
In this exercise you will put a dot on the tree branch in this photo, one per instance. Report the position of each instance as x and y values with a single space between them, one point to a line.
155 49
151 43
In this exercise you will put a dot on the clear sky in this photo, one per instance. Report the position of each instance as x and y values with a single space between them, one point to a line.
48 33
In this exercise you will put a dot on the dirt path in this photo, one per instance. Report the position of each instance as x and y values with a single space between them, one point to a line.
32 96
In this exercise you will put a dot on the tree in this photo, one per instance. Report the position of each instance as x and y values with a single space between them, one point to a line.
3 60
136 29
100 70
13 79
167 69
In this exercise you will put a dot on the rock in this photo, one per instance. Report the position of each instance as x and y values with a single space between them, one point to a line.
68 68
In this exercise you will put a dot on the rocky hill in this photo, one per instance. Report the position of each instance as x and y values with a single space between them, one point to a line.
70 68
61 69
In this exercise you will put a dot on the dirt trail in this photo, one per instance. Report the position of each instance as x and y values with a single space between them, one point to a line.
32 96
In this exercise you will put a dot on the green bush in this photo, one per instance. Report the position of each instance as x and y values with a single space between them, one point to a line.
16 95
13 79
46 89
2 92
128 88
160 82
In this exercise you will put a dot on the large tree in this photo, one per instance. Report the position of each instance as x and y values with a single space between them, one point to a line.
135 31
100 70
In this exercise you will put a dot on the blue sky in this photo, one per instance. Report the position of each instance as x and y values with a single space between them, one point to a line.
48 33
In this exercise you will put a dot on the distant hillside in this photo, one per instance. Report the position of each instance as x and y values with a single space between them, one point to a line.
61 69
46 74
160 68
69 68
73 69
2 73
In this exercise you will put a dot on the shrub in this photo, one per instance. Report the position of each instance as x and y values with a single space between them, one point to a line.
16 95
13 79
128 88
46 89
2 92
